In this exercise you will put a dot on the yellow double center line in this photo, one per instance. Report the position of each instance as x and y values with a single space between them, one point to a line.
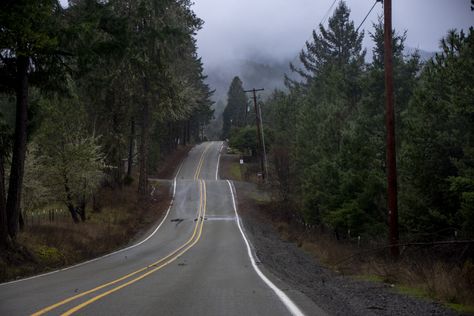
154 266
201 161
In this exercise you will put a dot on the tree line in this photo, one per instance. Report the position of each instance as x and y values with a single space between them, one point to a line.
327 152
89 90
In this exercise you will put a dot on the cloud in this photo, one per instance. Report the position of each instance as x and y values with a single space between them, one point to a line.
236 29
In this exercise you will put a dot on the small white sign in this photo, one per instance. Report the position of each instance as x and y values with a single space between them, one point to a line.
241 161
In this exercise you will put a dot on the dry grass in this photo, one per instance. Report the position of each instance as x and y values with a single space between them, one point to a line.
48 246
417 272
438 273
231 169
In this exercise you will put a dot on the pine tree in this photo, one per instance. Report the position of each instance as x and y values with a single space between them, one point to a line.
28 54
337 47
333 64
236 109
437 169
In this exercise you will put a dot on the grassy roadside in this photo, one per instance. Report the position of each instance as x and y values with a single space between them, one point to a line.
418 273
123 218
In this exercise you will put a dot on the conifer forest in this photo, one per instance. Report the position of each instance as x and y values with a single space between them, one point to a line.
180 157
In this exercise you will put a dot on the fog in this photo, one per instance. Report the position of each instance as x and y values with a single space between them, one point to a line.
272 32
256 39
277 29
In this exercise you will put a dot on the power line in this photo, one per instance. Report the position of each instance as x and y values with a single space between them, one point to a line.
320 23
357 30
327 12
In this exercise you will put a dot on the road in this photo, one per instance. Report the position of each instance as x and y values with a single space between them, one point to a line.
197 261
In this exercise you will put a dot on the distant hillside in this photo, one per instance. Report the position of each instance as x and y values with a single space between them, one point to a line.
257 72
266 74
424 55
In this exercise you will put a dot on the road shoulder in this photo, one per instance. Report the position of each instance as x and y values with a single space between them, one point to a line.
334 293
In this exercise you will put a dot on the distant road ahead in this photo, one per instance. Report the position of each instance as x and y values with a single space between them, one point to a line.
196 263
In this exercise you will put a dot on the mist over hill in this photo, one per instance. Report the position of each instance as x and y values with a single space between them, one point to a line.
254 73
262 72
258 71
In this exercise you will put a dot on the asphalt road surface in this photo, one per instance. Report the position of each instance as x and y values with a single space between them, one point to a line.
197 261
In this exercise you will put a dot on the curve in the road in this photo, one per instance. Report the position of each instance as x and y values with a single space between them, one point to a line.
218 261
111 253
158 264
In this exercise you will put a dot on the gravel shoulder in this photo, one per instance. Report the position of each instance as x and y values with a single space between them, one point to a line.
334 293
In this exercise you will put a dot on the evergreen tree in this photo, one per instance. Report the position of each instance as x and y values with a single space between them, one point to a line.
437 169
236 108
329 150
337 47
133 65
333 64
363 151
28 54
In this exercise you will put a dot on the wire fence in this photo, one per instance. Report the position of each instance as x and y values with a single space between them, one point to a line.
39 217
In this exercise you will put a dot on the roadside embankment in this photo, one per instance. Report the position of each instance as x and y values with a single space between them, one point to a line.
120 218
364 285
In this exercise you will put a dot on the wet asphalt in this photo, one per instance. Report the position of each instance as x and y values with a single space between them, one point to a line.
196 263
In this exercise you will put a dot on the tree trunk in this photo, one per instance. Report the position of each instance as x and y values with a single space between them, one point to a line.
120 167
188 131
82 208
73 212
143 178
3 209
170 137
183 131
19 147
96 205
130 148
69 202
175 135
21 221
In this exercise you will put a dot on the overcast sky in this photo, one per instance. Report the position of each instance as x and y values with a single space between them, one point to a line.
235 29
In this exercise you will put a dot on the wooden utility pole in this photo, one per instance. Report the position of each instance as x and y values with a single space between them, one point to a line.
260 141
392 200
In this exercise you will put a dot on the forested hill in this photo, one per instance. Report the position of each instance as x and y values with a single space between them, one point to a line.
260 72
266 73
255 72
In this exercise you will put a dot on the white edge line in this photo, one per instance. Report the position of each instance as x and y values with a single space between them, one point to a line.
107 255
290 305
218 161
175 177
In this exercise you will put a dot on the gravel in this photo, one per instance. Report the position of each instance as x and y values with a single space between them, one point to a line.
334 293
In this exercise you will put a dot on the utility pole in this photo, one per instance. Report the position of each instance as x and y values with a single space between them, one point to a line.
392 200
260 141
263 140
